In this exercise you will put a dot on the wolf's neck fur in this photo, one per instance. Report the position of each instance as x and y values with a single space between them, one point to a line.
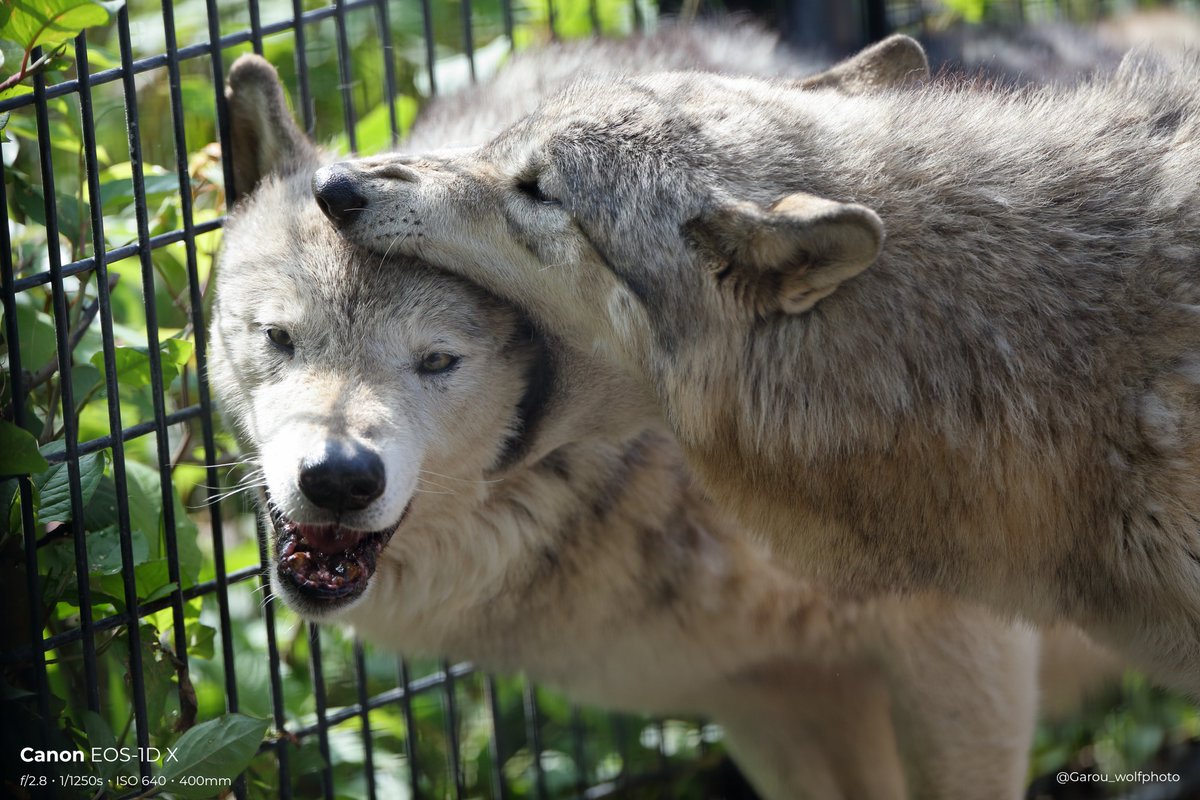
612 544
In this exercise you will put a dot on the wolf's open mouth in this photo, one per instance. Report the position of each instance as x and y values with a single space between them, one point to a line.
327 562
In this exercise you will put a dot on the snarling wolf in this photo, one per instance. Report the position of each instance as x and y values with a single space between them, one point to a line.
448 480
924 338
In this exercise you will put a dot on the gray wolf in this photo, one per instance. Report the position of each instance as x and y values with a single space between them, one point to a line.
920 338
448 480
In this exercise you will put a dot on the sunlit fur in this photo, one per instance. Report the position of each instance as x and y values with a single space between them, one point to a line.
1004 406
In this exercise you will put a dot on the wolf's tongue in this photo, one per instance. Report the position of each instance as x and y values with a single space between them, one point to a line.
327 539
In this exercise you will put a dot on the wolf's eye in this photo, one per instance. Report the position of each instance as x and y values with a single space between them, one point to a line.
437 362
530 188
281 339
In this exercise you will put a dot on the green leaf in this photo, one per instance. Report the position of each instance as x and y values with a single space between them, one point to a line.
200 639
46 23
104 550
177 351
145 503
71 214
101 512
19 451
133 363
84 378
36 331
15 91
220 748
163 590
8 499
116 194
11 53
54 485
100 735
159 675
187 545
152 577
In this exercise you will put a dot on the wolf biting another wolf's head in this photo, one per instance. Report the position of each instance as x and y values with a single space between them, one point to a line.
932 338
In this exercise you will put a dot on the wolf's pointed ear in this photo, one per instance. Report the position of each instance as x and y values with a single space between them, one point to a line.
263 136
791 255
898 60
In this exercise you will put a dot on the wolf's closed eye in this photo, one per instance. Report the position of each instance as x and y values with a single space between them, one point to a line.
532 189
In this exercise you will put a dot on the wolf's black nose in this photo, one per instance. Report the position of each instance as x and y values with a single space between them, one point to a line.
345 477
337 194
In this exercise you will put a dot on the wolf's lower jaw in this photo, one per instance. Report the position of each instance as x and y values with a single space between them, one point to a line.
320 575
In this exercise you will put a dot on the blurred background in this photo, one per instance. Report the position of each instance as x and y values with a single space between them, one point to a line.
204 642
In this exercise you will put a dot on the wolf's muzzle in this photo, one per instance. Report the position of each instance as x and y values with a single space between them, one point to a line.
345 476
326 564
337 192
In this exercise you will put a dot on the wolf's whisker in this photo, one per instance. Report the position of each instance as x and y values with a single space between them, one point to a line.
460 480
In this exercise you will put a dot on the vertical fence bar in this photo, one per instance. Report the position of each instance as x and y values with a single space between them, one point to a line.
218 72
389 68
468 35
360 676
344 75
495 749
430 47
307 113
185 200
112 390
579 750
410 729
135 159
550 20
64 344
661 730
157 388
506 12
876 19
618 729
200 337
279 710
450 709
256 35
533 727
217 61
33 588
318 680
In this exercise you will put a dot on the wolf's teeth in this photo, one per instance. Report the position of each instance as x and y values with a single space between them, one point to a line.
298 562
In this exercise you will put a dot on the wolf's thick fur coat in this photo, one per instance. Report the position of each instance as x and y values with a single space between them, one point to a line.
999 398
578 549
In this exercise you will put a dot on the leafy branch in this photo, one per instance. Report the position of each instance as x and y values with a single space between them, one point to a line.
49 24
